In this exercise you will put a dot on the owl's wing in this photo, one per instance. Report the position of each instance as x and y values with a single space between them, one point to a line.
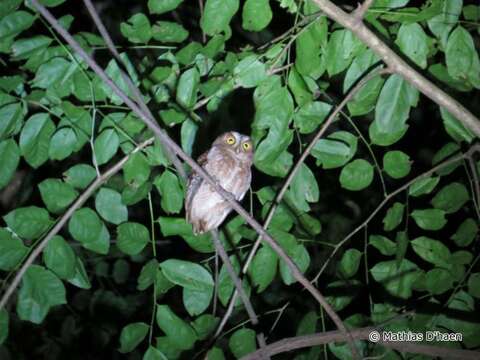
193 183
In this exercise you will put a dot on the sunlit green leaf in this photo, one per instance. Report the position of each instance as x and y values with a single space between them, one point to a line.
430 219
60 257
28 222
356 175
132 335
56 194
132 237
242 342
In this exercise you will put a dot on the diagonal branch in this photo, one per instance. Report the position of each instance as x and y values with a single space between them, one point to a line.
288 181
361 10
138 96
169 143
63 220
400 66
237 283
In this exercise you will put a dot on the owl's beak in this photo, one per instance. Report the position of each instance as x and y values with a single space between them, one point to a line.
237 149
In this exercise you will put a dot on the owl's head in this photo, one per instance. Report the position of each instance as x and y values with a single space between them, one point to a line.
238 143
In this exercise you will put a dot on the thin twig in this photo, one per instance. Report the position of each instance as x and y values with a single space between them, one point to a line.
219 248
168 142
400 66
63 220
288 181
361 10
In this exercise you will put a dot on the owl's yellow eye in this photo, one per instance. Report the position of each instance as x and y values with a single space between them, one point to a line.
230 140
246 146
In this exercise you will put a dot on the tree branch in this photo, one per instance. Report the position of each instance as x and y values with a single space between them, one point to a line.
136 92
168 142
288 181
299 342
361 10
467 155
400 66
63 220
238 284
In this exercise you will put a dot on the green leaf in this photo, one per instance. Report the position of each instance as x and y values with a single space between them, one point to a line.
60 257
35 139
386 246
8 6
162 6
11 119
256 15
437 281
87 228
394 217
106 146
80 279
28 222
205 325
412 40
423 186
299 88
242 342
387 273
342 47
300 256
455 128
309 47
132 335
109 205
343 294
430 219
365 99
382 138
303 189
390 3
474 285
393 106
441 24
9 158
62 144
466 233
40 290
24 48
153 353
356 175
273 112
181 334
226 286
187 88
52 73
217 15
136 170
432 251
396 164
4 324
132 237
12 250
196 301
14 23
461 257
137 30
56 194
187 274
114 72
336 150
263 268
215 353
147 275
451 197
250 71
462 57
310 116
169 32
445 152
79 176
350 262
171 191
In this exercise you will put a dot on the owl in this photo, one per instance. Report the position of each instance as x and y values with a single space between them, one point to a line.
228 161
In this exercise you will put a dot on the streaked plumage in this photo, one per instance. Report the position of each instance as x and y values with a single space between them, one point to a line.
229 162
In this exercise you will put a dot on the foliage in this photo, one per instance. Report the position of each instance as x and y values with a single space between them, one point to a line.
135 278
